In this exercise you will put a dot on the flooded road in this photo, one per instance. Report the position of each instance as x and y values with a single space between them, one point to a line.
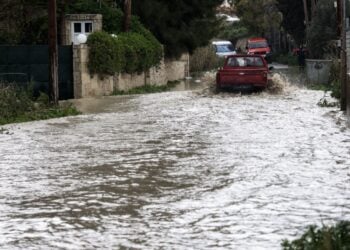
177 170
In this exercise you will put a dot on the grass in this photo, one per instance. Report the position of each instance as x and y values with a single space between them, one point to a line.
41 114
322 87
18 105
148 89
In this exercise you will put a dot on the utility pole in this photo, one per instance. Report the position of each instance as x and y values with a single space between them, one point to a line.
53 52
343 57
127 15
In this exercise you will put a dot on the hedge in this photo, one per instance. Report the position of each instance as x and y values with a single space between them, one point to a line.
126 53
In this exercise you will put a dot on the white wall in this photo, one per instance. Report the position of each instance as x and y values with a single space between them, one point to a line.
86 85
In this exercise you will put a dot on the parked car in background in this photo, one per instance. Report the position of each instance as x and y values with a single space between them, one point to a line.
243 72
224 48
259 46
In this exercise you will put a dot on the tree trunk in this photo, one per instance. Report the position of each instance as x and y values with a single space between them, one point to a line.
127 15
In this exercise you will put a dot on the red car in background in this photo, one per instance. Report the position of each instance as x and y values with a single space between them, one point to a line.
259 46
243 72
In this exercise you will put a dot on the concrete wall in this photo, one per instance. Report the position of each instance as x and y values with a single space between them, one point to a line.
318 71
176 69
87 85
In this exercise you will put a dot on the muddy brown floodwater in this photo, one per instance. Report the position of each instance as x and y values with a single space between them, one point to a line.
176 170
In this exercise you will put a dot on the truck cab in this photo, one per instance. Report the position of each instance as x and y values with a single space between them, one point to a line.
243 72
259 46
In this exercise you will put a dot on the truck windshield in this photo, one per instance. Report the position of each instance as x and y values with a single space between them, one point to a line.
254 45
245 62
222 48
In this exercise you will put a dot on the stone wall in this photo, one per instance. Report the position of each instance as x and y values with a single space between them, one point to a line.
87 85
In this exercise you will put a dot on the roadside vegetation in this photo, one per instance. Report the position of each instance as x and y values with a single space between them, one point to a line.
335 237
17 104
285 58
126 53
204 59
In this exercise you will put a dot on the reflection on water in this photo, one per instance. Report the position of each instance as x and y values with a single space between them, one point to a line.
175 170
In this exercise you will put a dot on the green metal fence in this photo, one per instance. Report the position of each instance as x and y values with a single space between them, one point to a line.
29 64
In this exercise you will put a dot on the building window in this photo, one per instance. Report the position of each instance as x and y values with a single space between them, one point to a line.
83 27
88 27
77 27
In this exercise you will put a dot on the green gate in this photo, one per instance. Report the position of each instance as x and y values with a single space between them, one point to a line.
25 65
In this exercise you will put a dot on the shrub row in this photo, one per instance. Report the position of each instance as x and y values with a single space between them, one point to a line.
126 53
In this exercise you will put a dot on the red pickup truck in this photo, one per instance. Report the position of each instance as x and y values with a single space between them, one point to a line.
243 72
259 46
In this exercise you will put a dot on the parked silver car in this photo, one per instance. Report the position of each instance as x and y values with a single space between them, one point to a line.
224 48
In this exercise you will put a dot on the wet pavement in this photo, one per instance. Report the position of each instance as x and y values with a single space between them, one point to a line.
176 170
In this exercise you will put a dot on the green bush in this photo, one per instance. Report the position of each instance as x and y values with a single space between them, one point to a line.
326 238
128 52
105 56
335 85
14 102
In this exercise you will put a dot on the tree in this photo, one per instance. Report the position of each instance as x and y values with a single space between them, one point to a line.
18 17
322 29
25 21
259 15
181 25
293 18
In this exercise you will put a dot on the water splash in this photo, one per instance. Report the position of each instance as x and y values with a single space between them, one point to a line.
278 84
